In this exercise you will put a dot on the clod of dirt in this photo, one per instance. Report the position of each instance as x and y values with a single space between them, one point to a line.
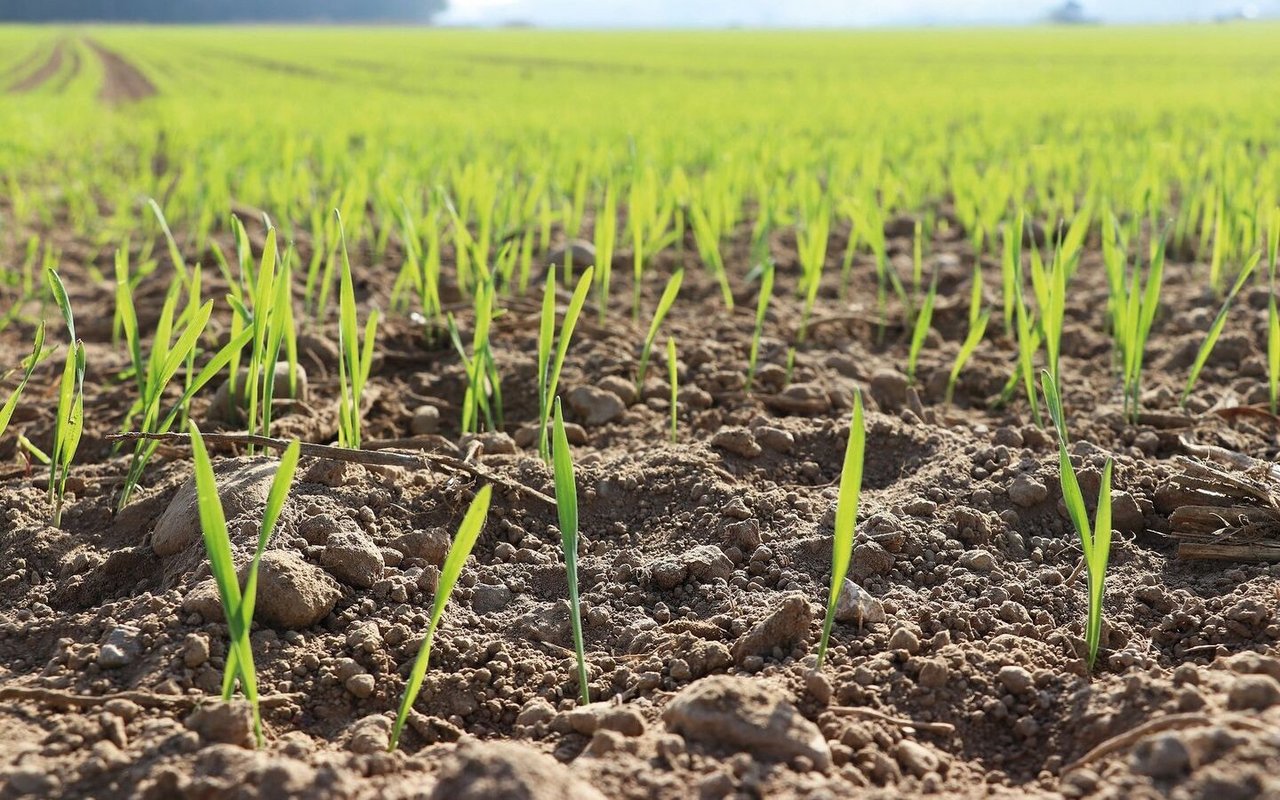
582 252
292 593
489 598
595 406
785 627
739 441
605 716
1253 692
1162 757
623 388
493 443
527 435
231 406
800 398
227 723
370 735
483 771
917 759
857 606
1027 491
426 420
353 558
243 484
741 714
120 649
889 390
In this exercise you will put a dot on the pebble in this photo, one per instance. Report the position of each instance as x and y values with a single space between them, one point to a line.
490 598
706 563
745 715
120 649
889 390
227 406
430 546
1015 679
775 439
195 650
492 443
934 673
224 722
369 735
738 441
1162 756
1027 491
904 639
353 558
1253 693
426 421
978 561
361 685
243 484
595 406
786 626
292 593
916 758
857 605
620 386
486 770
577 252
536 711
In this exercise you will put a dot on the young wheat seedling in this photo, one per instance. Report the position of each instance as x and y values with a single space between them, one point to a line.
673 377
1215 329
664 305
468 532
29 365
567 511
548 370
69 423
846 519
762 308
355 358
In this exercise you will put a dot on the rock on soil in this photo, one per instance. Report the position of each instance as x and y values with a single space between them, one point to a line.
740 714
243 484
353 558
785 627
595 406
739 441
227 723
492 770
291 592
583 254
858 606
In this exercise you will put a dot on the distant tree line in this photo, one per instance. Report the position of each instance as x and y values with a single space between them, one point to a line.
176 11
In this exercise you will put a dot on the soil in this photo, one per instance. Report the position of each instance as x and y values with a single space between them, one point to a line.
704 569
122 82
45 72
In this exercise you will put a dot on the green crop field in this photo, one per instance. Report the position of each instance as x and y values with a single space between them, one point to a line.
330 427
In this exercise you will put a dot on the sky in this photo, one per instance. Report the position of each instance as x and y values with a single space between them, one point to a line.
822 13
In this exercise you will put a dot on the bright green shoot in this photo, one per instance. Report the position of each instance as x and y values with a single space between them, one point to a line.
846 519
762 309
237 604
664 305
548 370
1133 308
811 242
708 239
355 354
1095 542
468 532
673 377
977 329
606 236
920 332
567 510
1215 329
69 423
29 365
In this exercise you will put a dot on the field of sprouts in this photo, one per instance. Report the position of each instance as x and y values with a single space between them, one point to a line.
518 414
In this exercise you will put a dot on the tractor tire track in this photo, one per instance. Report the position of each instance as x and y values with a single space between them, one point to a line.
43 73
122 82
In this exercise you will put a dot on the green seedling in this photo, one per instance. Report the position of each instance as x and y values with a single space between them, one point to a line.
28 366
468 532
1133 308
1215 329
924 318
707 237
1095 542
69 423
977 329
355 353
664 305
673 377
237 603
1273 313
606 235
846 519
567 511
762 309
548 370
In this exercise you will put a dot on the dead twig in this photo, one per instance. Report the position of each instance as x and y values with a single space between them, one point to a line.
1173 722
384 458
942 728
61 699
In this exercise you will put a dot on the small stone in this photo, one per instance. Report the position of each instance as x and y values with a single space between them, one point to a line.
916 758
370 735
1016 679
489 598
1007 437
292 593
243 484
536 711
1253 693
353 558
869 558
739 441
978 561
858 606
426 420
904 639
818 686
745 715
934 673
487 770
195 650
361 685
800 398
1027 491
608 716
785 627
1148 442
623 388
577 254
706 563
695 398
889 390
430 546
492 443
595 406
34 782
775 439
120 649
1161 757
225 723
